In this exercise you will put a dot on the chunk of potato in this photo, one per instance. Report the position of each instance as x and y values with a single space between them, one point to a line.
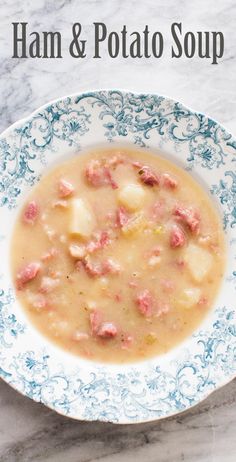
82 221
189 297
132 196
199 261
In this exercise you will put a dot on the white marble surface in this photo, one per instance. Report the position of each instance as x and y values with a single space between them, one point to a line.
29 431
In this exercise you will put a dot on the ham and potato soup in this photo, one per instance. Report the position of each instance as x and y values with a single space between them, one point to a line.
117 255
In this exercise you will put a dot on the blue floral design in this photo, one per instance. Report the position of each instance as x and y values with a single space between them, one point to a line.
226 192
122 114
10 328
136 392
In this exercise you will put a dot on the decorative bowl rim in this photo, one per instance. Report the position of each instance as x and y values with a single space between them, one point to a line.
149 416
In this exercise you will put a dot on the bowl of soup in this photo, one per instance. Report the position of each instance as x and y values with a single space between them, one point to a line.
118 256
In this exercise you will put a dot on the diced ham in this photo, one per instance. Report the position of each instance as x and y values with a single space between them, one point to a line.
79 266
168 181
189 217
31 213
177 237
137 164
65 188
107 330
148 177
102 241
111 267
98 174
48 284
93 173
122 217
108 176
27 274
95 319
145 303
94 269
50 254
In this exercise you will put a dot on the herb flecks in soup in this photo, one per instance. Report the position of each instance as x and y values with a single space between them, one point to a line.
117 255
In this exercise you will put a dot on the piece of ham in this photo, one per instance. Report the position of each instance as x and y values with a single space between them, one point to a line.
65 188
50 254
94 269
27 274
122 217
100 328
145 303
91 268
108 178
99 243
95 319
189 217
31 213
148 177
168 181
107 330
177 237
98 174
111 267
136 164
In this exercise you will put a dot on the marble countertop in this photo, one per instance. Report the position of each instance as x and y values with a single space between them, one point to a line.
29 432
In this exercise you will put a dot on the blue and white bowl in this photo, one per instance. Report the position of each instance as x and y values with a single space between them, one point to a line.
151 389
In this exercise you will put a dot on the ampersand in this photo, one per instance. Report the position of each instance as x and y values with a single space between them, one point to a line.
76 43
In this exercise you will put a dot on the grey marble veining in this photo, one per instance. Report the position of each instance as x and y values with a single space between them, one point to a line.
29 432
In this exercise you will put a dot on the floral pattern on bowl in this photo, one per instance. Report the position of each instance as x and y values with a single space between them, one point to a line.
150 389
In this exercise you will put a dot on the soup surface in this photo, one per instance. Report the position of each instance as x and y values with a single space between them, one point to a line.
117 255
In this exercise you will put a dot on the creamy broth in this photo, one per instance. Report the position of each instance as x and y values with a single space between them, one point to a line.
117 255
